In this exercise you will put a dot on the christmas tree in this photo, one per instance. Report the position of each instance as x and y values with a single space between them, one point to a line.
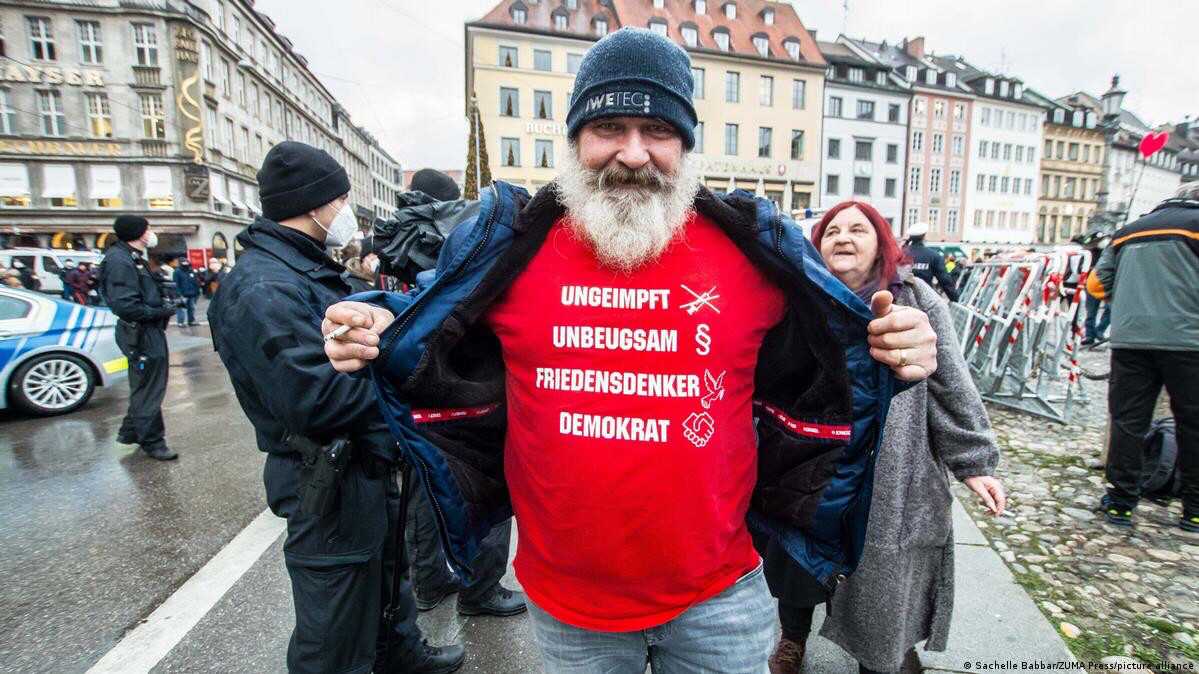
476 147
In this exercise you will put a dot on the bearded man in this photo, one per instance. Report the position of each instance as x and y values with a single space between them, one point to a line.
635 367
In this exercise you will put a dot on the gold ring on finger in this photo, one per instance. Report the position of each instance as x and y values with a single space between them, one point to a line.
903 358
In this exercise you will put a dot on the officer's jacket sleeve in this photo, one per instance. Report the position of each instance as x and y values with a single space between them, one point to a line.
123 292
273 330
944 280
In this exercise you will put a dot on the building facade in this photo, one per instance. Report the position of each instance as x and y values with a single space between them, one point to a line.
938 136
759 85
1007 128
1071 172
865 133
159 108
386 182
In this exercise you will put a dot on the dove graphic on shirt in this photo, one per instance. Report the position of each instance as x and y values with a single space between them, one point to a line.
715 386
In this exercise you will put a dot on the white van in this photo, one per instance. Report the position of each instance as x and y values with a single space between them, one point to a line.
48 263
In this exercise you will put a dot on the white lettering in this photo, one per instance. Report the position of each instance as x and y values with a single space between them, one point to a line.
615 298
703 339
630 429
643 384
615 339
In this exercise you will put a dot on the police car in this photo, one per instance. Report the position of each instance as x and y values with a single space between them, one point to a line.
53 353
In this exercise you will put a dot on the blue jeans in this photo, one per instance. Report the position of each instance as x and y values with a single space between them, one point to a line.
1093 308
191 312
731 633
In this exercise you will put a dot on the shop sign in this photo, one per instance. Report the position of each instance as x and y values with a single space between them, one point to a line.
16 72
61 148
195 182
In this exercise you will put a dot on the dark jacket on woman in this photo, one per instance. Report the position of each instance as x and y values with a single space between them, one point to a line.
902 591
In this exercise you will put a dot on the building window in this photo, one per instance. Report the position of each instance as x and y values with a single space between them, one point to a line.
245 145
934 181
690 36
1073 152
730 10
699 138
519 16
995 150
225 78
951 221
917 141
832 184
892 153
543 153
796 144
730 139
993 184
543 60
509 102
54 121
41 38
766 90
1070 184
509 152
543 105
601 27
701 7
91 47
145 44
229 136
982 182
939 109
799 94
889 187
658 26
959 145
866 110
914 180
934 219
792 47
659 4
722 40
509 57
762 45
955 181
1019 153
863 150
572 62
938 143
959 111
893 112
861 187
241 89
99 117
919 106
1028 186
856 75
8 116
697 75
1007 151
834 106
834 148
765 136
732 87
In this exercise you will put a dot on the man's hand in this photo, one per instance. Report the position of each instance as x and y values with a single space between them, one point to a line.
351 351
902 339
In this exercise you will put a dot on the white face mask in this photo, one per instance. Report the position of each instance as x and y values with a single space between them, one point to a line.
341 230
151 240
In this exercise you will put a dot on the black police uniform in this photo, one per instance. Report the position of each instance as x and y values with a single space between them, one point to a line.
927 263
266 326
134 294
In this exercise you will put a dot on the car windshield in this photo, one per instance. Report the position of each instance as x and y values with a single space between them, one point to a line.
50 265
12 308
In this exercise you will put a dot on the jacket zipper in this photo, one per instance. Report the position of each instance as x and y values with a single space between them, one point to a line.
845 515
441 531
412 311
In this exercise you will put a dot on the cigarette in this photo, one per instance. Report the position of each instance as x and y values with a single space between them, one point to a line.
341 330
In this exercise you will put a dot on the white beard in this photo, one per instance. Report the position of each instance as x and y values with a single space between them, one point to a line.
626 225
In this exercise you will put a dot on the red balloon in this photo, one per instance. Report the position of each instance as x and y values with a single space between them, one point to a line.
1153 142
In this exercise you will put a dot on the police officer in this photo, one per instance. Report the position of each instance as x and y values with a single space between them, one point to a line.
266 327
134 294
927 263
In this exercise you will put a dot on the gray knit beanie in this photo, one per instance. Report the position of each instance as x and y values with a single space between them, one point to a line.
634 72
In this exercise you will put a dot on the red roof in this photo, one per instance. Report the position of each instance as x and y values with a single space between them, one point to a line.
676 13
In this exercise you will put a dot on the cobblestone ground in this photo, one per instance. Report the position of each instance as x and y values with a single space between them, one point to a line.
1114 593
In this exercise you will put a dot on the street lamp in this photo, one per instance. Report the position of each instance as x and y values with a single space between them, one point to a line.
1111 103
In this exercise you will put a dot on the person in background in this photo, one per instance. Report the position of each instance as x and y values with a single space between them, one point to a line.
64 275
1150 272
213 276
1099 313
184 278
360 278
11 278
927 263
29 279
902 591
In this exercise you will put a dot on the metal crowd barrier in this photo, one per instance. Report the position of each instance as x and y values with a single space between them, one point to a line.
1020 328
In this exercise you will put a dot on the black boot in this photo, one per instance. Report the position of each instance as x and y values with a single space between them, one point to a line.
434 660
500 601
162 453
428 599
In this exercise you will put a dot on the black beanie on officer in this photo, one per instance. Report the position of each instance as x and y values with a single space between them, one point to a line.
296 178
130 227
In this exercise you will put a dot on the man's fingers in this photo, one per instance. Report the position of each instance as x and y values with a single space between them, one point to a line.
356 314
880 303
340 352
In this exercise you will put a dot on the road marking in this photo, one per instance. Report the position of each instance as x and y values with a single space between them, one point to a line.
148 643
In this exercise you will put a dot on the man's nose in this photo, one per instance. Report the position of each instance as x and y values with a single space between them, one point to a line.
633 152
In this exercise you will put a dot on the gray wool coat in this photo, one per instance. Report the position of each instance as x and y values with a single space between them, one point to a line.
902 591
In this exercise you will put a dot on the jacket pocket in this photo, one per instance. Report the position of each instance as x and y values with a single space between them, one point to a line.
926 512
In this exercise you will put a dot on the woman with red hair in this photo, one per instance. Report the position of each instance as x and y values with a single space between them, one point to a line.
902 590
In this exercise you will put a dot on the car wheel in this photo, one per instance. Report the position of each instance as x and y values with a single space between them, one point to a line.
55 383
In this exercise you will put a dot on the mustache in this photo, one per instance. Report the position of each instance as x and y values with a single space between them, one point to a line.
616 174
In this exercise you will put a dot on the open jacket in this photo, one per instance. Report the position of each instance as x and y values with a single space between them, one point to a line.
819 396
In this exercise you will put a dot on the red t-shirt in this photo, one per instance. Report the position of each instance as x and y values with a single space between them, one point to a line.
631 451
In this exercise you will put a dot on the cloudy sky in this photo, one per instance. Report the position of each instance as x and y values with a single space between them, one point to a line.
398 65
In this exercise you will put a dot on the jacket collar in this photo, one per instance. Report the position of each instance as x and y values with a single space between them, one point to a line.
1177 203
291 247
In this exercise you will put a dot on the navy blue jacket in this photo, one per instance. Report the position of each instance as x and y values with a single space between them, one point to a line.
928 264
440 379
185 282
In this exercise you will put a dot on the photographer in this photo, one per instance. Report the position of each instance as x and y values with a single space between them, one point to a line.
330 467
135 295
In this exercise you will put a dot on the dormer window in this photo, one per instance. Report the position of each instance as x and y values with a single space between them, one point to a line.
1059 116
762 44
1090 120
909 73
1003 88
856 75
520 14
792 47
880 78
690 34
561 19
658 26
659 4
601 25
721 36
930 76
831 73
1017 90
572 4
951 79
730 10
989 86
1077 118
701 7
768 16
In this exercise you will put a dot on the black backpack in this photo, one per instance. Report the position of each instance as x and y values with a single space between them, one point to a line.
1160 479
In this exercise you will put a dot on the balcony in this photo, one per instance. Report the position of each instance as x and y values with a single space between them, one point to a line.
147 76
152 147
